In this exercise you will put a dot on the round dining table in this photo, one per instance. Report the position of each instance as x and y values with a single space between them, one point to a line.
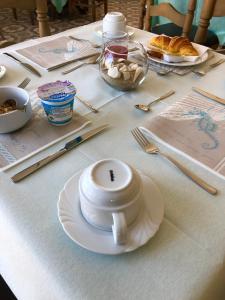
183 260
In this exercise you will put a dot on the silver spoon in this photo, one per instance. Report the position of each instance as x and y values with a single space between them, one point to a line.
147 107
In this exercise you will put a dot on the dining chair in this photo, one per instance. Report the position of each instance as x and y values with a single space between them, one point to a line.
41 9
210 8
181 24
90 4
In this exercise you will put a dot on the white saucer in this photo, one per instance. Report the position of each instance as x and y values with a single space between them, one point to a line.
96 240
2 71
98 31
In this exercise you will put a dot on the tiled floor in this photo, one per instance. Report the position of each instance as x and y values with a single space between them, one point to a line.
22 29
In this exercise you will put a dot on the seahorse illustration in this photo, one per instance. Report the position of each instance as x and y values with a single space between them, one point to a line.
206 124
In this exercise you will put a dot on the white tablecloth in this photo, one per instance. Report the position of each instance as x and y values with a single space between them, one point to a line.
184 260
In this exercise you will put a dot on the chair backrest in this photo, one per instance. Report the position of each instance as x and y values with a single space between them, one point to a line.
168 11
41 9
210 8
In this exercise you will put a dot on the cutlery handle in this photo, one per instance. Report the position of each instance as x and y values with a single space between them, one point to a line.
162 97
217 63
10 55
210 189
36 166
208 95
74 68
87 105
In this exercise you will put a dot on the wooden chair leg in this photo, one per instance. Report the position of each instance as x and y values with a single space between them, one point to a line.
147 25
105 7
70 8
93 9
32 16
14 13
204 21
142 14
42 17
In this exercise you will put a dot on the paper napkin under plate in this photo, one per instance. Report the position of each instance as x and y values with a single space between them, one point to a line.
58 52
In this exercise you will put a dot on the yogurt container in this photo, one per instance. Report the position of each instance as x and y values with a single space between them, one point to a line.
57 99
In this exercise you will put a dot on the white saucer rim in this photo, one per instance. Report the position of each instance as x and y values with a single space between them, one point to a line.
2 71
98 31
123 248
181 64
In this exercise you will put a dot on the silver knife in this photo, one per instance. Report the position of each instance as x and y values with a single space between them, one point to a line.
25 65
208 95
68 146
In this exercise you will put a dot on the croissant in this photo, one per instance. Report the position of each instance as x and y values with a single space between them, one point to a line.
160 41
176 45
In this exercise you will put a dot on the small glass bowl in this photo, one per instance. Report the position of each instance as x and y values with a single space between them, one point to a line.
124 63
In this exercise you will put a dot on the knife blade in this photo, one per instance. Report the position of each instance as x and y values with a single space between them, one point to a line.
25 65
208 95
68 146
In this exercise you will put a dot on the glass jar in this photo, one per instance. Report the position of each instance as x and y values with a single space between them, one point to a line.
124 63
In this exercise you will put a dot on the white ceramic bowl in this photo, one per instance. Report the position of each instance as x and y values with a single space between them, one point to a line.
15 119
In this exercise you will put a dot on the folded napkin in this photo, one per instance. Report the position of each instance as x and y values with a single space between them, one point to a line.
155 66
195 127
36 135
58 52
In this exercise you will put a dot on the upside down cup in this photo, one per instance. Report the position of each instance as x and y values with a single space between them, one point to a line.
110 194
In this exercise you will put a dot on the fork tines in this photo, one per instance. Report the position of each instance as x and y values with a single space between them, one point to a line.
139 137
24 83
145 144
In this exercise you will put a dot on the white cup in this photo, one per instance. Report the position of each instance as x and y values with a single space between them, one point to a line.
110 196
114 22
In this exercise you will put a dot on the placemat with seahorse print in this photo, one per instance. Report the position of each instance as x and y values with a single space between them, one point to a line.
195 126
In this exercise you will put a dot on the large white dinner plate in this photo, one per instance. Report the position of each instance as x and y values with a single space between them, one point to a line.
202 58
2 71
100 241
98 31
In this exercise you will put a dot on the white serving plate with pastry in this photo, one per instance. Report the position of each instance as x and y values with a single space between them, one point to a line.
178 59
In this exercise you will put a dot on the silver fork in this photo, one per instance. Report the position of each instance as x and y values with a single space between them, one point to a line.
150 148
84 40
24 83
209 67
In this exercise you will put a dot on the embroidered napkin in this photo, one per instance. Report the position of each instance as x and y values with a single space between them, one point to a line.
195 126
58 52
36 135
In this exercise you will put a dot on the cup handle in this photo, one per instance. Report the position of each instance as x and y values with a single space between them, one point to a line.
119 228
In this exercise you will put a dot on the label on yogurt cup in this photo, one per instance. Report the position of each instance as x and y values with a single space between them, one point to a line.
57 100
